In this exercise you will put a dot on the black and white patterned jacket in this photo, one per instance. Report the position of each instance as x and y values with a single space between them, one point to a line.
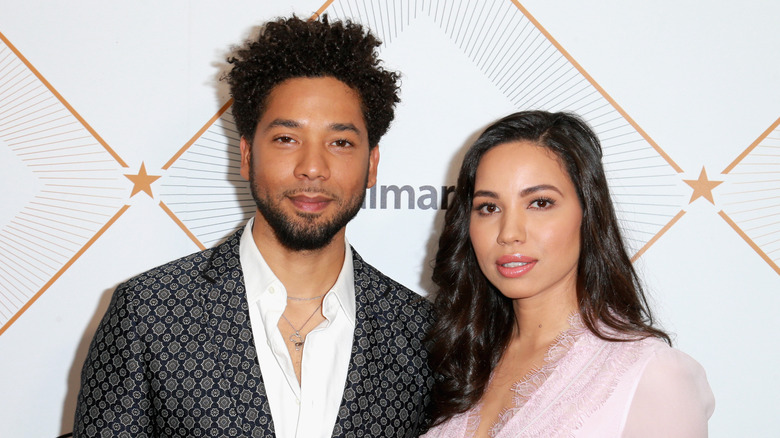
174 357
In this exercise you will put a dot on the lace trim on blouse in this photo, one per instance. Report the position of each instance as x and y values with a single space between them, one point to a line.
579 373
582 383
528 385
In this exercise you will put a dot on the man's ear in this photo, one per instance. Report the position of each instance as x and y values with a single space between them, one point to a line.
373 163
246 157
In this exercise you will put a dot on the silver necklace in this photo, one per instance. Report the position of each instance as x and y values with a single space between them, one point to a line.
304 299
296 337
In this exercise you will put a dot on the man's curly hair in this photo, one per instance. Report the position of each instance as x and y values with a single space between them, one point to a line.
292 48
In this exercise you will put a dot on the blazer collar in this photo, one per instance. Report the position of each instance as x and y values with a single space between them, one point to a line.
224 259
370 293
226 322
371 302
374 316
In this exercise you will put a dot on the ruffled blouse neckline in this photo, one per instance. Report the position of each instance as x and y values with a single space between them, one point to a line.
532 381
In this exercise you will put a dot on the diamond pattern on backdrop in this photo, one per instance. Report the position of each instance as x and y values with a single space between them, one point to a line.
68 184
519 58
69 187
751 195
202 190
533 71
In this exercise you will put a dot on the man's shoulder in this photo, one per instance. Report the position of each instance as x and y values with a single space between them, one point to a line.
189 268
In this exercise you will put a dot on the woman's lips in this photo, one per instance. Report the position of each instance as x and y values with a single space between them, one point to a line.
514 265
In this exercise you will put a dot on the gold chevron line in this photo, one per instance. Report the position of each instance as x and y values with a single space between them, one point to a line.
63 269
181 225
178 155
750 148
593 82
620 110
64 102
322 8
197 135
200 132
657 236
749 241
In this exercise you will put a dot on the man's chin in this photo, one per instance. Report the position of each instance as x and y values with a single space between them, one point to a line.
301 241
308 218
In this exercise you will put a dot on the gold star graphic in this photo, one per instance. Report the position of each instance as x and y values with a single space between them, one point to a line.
142 182
702 187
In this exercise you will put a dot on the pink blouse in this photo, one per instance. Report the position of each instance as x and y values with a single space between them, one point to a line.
589 387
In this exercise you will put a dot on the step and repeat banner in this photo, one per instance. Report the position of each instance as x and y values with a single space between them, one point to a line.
119 153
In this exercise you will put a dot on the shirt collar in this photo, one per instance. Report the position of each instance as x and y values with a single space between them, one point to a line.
259 278
343 289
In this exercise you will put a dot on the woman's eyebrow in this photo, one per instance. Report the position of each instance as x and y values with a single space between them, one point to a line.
486 194
525 192
539 188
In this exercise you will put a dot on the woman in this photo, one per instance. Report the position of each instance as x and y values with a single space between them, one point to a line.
543 329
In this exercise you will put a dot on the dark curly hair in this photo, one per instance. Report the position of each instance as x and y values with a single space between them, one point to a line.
292 48
474 320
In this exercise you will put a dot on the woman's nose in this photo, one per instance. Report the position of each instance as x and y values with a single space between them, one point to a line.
512 229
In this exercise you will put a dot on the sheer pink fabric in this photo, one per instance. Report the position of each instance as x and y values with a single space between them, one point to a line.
589 387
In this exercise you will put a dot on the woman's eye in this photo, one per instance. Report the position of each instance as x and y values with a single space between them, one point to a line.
486 209
542 203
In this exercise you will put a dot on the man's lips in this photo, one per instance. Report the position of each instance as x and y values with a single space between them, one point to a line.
310 204
514 265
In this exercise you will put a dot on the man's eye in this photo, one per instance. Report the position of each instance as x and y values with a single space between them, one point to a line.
342 143
284 139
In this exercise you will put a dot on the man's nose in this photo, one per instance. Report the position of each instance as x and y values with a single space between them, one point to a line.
312 163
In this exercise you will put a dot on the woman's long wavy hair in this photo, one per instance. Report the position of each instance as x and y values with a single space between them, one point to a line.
474 320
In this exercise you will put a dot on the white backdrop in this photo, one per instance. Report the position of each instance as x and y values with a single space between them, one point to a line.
671 87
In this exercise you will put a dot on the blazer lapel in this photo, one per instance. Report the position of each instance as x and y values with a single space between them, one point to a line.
237 381
367 368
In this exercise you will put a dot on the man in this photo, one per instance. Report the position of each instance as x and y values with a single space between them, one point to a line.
283 330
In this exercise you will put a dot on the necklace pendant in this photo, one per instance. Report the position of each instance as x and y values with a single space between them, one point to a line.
297 340
296 337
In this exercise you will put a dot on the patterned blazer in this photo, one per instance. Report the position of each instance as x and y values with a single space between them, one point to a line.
174 357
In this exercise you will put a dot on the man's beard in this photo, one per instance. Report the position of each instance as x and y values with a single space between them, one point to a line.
303 233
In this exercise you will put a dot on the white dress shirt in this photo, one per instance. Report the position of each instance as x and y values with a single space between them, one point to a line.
308 409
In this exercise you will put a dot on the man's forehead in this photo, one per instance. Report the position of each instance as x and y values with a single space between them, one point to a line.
316 82
294 124
295 102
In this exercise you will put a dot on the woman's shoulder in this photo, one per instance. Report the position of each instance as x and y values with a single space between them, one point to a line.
671 395
658 358
655 359
644 350
653 386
